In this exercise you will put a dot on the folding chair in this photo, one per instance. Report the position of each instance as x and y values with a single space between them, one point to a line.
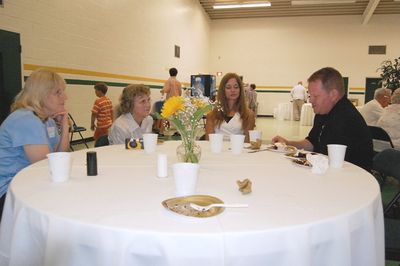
387 163
381 139
102 141
76 129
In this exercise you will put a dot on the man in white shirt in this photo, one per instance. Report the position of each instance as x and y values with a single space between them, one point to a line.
299 97
373 109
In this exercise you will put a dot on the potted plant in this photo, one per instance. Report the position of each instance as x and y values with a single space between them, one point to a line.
390 74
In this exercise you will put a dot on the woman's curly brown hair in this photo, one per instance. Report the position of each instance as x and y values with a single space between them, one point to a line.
128 95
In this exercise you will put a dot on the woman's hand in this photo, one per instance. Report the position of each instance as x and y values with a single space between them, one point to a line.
61 119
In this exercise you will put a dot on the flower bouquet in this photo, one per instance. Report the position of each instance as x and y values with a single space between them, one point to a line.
184 113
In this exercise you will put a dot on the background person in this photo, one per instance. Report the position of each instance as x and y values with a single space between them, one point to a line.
172 87
231 115
373 109
252 97
299 97
337 121
102 111
390 119
37 125
133 115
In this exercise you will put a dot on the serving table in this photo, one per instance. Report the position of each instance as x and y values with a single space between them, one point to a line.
307 115
285 111
116 218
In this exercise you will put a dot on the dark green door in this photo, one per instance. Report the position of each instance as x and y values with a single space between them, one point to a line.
371 84
346 85
10 70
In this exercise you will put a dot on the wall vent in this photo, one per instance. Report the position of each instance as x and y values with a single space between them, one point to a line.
177 51
377 49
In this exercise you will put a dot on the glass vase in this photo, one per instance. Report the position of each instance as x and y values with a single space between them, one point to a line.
188 152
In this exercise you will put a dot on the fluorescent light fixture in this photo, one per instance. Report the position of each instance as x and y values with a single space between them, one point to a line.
263 4
321 2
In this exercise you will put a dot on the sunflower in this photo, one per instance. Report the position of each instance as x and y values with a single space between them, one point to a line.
172 106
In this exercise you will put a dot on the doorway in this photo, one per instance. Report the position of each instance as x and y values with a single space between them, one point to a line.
371 84
10 70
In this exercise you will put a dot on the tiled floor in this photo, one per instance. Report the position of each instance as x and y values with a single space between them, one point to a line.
271 127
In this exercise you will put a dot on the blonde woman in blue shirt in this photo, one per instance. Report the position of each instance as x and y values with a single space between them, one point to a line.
37 126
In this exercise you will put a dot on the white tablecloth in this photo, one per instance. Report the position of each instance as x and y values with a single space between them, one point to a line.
285 111
116 218
307 115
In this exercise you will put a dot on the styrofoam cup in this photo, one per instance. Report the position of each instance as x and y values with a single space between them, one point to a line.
237 142
255 135
150 142
60 166
336 154
185 176
216 141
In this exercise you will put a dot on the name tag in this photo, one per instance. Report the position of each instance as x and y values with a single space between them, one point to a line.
51 131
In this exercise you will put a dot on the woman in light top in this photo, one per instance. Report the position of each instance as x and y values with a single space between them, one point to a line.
133 115
37 125
231 115
390 119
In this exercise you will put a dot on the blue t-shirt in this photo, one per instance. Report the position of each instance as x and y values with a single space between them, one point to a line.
22 127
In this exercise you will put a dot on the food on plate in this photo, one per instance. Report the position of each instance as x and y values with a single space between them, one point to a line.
255 145
303 162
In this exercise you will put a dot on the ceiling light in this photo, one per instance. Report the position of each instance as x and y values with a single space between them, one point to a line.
321 2
263 4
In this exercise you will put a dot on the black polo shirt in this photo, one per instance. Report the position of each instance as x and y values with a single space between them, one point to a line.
343 125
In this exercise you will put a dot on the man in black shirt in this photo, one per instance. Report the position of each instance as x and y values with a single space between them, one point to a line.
336 121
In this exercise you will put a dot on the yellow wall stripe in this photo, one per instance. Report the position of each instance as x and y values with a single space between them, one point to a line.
95 73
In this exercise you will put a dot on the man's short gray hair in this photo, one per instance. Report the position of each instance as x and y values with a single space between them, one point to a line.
396 96
382 92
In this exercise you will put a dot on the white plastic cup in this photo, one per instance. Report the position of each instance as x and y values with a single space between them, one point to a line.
162 165
255 135
60 166
185 175
216 141
237 142
150 142
336 154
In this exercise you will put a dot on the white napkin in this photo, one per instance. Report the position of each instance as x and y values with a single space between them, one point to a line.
320 163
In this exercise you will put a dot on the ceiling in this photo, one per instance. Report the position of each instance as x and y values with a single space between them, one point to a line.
284 8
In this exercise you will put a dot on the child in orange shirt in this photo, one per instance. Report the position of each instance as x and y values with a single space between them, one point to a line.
102 111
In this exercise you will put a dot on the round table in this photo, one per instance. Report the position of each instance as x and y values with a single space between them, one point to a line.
116 218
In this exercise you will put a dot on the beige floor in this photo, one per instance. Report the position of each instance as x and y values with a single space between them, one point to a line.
271 127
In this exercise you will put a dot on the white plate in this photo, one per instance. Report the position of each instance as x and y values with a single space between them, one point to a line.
285 149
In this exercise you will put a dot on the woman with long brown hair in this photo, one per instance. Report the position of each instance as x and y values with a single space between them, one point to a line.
231 114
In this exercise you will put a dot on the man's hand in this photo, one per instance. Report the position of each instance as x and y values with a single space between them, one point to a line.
279 139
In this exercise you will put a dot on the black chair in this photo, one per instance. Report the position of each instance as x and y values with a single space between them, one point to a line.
380 138
387 163
76 129
102 141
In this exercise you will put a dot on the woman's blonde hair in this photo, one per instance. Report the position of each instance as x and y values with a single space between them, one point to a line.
222 109
128 95
38 85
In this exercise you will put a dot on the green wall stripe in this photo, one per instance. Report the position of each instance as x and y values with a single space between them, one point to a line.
356 92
